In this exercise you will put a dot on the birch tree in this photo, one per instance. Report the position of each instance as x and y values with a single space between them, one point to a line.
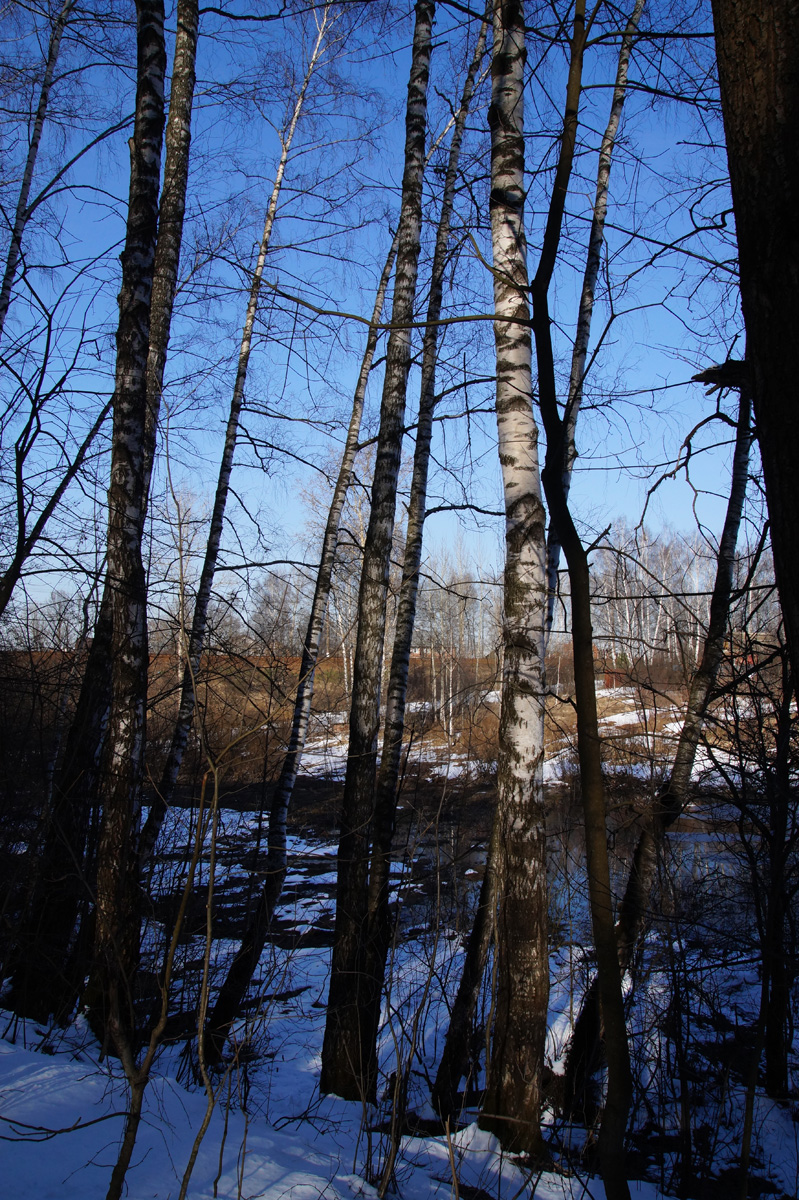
619 1089
116 943
378 936
233 989
46 979
453 1060
347 1049
511 1106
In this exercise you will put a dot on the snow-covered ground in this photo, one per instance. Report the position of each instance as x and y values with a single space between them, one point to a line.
62 1109
62 1115
326 755
272 1135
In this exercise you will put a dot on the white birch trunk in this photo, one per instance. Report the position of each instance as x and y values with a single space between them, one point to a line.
348 1049
511 1107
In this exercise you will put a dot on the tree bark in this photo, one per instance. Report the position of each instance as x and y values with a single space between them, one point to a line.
455 1055
378 937
232 992
774 952
755 48
511 1107
63 887
346 1051
775 959
45 979
171 213
619 1088
109 993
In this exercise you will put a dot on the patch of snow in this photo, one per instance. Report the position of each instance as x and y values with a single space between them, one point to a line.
558 767
628 718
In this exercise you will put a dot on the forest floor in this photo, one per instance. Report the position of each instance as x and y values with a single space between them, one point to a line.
273 1136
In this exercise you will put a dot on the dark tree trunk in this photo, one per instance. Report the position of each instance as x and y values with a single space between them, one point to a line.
619 1088
756 52
48 962
347 1052
454 1064
62 892
234 988
455 1055
619 1085
779 1002
775 966
109 993
596 239
378 938
171 213
584 1053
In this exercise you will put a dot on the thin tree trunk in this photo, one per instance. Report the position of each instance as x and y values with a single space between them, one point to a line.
619 1086
346 1052
512 1103
27 539
241 970
172 210
619 1089
188 697
138 1076
775 959
582 337
378 938
116 945
454 1062
22 212
302 707
774 955
584 1052
345 661
771 911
